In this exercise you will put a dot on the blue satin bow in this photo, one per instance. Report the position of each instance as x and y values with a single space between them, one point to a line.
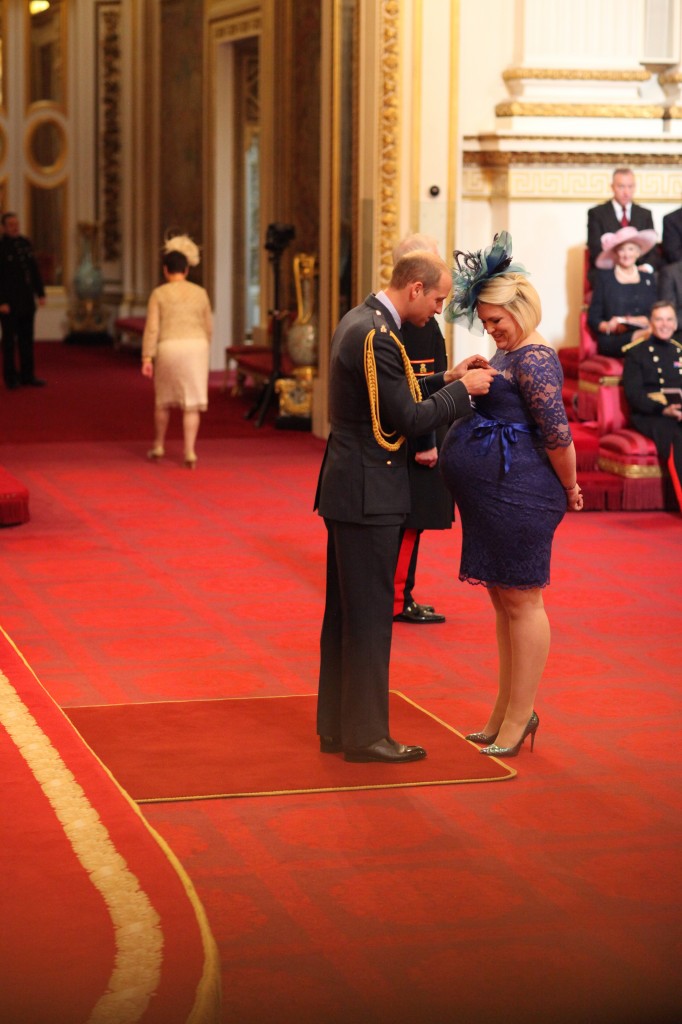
507 432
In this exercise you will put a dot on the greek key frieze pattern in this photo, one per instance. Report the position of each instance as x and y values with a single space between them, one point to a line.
659 184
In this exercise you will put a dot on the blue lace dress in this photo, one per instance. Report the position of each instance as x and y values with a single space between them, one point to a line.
495 464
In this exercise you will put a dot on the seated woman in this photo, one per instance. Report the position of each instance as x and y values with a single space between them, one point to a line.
652 380
623 292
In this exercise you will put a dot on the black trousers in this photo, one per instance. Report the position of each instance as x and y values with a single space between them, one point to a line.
355 645
17 334
666 433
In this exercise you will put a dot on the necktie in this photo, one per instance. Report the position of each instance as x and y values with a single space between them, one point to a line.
624 219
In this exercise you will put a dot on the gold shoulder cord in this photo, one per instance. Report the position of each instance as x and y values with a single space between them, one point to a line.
380 434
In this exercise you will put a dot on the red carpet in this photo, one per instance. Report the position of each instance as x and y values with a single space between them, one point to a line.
99 922
189 750
555 898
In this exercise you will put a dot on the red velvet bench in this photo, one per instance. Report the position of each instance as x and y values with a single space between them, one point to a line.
630 455
13 500
254 361
128 330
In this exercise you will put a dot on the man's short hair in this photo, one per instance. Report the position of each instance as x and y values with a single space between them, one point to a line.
420 265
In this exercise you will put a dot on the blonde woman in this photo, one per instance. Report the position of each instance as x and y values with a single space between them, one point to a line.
512 472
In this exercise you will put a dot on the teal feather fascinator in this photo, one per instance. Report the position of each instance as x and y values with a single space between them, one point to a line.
472 270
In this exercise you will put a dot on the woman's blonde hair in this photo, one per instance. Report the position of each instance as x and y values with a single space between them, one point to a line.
518 296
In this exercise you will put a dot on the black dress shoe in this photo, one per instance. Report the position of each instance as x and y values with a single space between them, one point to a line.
387 750
418 613
330 745
12 383
34 382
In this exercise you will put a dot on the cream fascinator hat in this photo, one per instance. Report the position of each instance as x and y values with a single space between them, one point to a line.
185 245
644 240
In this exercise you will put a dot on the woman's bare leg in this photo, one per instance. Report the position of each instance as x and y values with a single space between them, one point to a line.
161 418
190 429
529 638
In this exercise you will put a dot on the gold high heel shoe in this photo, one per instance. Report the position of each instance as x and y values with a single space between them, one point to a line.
191 461
155 453
494 751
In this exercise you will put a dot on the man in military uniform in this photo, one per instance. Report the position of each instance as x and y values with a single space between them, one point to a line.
363 494
652 379
20 285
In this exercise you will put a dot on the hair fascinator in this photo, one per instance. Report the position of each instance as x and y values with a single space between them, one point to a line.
471 271
185 245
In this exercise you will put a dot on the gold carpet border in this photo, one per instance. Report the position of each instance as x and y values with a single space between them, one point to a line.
136 925
511 772
207 1007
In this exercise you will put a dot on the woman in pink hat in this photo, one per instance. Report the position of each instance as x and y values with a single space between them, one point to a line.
623 292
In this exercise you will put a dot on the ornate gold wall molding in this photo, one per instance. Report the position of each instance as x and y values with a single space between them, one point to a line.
388 135
606 110
670 78
576 74
109 128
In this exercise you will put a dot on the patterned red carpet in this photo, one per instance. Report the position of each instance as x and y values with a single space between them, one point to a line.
555 897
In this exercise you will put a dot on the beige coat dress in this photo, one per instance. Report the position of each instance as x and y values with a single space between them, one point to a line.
177 336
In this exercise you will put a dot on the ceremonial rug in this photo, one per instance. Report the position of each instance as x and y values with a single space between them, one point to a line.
263 746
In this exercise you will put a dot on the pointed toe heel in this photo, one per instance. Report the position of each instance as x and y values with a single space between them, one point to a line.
495 751
480 737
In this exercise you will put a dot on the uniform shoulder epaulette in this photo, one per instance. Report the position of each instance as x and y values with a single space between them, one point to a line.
633 344
677 344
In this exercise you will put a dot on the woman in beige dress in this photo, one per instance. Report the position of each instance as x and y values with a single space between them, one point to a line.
176 345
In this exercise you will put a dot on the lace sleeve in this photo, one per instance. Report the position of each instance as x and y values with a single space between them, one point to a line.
539 378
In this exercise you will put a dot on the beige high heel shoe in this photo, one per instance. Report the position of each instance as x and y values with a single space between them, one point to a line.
155 453
191 461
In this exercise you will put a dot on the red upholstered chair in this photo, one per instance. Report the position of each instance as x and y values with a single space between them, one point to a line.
629 454
596 374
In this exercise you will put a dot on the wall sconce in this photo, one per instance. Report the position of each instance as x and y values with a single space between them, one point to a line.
38 6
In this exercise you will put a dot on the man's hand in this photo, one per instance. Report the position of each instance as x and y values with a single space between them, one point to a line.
471 363
429 458
477 382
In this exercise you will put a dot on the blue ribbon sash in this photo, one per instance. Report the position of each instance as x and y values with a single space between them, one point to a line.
508 434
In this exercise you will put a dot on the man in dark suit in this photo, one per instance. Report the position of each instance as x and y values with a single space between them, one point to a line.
363 494
20 284
672 236
432 507
670 289
618 212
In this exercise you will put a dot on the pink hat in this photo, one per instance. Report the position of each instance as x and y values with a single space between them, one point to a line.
644 240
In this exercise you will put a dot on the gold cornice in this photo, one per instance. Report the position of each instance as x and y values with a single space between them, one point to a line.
497 159
607 110
670 77
576 74
237 27
388 134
